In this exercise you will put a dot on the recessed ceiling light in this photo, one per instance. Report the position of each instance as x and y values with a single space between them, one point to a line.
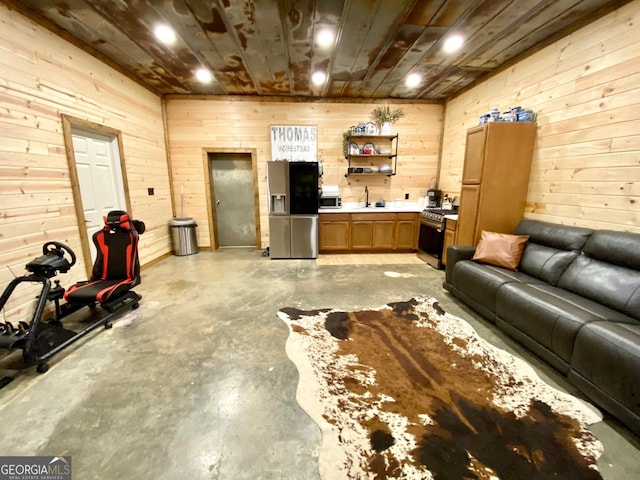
165 34
324 38
453 43
318 78
203 75
413 80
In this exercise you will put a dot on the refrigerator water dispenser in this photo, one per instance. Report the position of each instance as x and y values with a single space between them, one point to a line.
278 205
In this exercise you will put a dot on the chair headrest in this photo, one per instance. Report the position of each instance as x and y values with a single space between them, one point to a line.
118 219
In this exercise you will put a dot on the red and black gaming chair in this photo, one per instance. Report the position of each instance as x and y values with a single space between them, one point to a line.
116 269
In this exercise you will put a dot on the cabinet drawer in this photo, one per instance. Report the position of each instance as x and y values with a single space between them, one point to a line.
407 216
334 217
372 217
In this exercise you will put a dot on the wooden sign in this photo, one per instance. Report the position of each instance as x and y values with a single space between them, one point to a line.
296 143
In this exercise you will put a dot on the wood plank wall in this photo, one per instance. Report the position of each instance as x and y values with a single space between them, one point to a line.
226 124
586 91
586 169
41 78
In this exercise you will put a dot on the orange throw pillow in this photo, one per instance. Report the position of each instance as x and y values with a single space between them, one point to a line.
500 249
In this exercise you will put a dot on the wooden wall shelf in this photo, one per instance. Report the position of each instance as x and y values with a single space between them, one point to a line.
380 143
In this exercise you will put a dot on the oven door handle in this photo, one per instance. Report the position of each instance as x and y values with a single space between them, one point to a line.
439 227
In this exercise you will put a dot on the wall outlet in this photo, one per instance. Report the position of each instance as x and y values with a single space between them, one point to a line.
150 191
406 196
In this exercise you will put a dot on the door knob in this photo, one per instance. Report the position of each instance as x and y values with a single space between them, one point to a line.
217 202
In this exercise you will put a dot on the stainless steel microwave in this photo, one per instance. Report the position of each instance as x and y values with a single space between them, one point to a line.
331 201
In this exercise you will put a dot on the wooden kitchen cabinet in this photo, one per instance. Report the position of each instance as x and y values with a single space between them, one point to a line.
469 202
372 231
384 232
406 235
495 179
361 234
334 231
449 237
368 232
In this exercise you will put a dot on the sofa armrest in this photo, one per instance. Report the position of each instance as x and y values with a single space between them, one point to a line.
455 254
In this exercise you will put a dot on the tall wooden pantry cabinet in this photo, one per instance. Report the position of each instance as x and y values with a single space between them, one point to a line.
495 179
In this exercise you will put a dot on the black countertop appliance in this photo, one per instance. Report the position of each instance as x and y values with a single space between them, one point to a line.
433 197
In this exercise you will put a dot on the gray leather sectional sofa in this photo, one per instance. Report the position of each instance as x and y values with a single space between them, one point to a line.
574 301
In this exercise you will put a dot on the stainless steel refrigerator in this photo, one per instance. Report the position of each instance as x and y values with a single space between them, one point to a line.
293 209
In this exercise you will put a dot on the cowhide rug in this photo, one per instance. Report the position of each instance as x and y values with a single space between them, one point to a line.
408 391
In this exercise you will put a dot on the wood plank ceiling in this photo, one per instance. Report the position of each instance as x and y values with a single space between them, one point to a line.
262 47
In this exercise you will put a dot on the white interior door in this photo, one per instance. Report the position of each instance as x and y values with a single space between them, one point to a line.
99 178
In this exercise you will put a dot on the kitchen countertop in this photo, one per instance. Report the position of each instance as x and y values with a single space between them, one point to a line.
390 207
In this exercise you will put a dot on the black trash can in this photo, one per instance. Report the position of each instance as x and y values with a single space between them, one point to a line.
183 236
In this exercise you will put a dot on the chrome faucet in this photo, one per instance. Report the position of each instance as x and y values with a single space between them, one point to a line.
366 192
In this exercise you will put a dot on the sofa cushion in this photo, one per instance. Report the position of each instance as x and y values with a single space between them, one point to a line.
601 312
560 237
606 271
606 366
481 282
618 248
551 248
550 315
546 263
500 249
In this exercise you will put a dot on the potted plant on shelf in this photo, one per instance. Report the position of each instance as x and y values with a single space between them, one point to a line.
345 142
386 116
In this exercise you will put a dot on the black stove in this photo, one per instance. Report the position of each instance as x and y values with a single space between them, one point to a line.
431 236
436 215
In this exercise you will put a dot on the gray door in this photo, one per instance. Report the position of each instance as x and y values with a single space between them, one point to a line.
233 199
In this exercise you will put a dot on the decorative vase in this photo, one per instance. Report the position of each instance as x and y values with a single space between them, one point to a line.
385 128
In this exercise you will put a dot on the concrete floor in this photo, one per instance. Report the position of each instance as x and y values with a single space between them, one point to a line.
196 384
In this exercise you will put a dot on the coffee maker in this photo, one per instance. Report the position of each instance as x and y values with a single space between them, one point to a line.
433 198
